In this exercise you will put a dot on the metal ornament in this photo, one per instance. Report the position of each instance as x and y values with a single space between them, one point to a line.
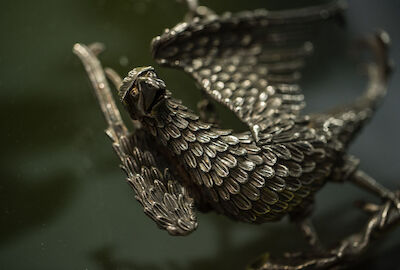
250 63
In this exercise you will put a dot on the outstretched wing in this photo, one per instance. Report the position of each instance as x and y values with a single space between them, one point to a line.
249 61
163 198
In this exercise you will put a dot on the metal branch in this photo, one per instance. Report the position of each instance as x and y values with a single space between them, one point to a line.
343 253
116 128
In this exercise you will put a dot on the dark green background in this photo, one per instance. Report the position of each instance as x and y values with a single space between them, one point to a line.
63 200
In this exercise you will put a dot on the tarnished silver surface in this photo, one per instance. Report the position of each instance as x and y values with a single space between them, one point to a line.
249 62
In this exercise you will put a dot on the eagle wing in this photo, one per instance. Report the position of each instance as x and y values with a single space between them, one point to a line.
250 61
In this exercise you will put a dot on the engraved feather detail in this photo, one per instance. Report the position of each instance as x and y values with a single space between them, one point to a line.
163 199
246 62
249 62
237 176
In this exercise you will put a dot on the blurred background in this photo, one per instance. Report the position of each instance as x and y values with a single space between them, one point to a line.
64 203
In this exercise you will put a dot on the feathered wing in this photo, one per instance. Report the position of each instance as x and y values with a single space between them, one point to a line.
163 198
249 61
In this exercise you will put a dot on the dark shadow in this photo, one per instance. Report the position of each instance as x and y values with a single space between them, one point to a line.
26 205
105 260
228 256
383 261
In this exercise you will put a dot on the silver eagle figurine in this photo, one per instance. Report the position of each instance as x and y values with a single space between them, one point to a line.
177 161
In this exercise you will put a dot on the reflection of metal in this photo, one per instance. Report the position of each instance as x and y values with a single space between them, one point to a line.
250 63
